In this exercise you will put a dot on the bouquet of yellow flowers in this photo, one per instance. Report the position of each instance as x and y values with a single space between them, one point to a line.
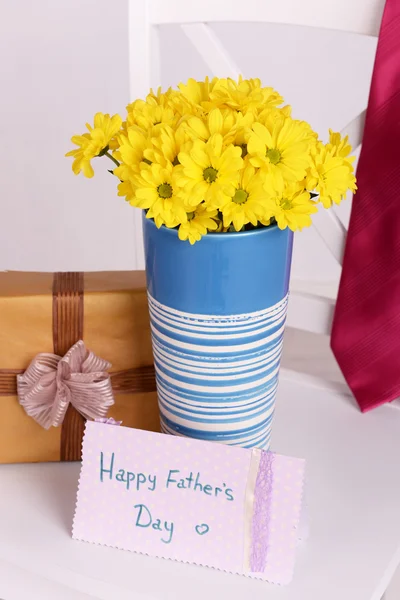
218 156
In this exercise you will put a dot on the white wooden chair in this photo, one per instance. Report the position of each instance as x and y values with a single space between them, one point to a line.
308 310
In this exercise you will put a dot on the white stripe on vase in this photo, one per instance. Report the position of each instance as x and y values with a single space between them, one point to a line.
223 319
218 363
211 326
227 403
217 349
216 375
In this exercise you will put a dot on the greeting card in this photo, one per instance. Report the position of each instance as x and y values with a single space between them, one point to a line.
226 507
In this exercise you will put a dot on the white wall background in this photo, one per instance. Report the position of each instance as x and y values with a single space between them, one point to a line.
60 62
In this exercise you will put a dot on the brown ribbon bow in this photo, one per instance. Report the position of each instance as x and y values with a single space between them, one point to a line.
51 383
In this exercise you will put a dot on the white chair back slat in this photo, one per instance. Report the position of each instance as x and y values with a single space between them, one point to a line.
355 130
211 49
310 312
144 63
144 73
354 16
332 232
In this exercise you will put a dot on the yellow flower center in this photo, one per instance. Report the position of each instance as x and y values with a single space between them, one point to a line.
274 155
210 174
286 204
165 190
240 196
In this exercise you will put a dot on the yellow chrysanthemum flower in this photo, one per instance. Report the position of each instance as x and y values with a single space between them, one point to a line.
184 108
244 95
95 143
331 176
281 147
247 203
266 113
159 97
234 127
167 143
150 112
162 214
242 128
128 190
199 222
340 146
134 149
210 171
197 92
214 123
293 208
157 191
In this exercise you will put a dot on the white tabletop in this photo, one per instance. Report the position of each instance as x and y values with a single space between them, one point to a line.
353 481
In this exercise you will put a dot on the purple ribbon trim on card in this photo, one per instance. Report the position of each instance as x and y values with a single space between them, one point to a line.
261 513
108 421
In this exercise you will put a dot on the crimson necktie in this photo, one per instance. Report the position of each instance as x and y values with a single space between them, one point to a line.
366 327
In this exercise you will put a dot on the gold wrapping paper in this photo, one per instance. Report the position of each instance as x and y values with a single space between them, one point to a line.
115 326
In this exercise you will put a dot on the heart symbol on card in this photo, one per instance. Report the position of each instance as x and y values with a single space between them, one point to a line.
202 529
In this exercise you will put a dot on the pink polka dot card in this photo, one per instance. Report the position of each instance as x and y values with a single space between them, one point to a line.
226 507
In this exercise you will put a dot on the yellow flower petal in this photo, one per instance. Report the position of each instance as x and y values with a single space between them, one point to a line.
215 121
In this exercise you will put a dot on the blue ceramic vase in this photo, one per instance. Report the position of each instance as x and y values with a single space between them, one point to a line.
217 312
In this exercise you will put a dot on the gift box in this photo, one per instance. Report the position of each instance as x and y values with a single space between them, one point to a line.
49 313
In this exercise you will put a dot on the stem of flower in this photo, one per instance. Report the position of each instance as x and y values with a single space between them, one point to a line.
112 158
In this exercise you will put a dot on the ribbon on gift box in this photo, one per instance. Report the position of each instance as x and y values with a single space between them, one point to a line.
68 318
51 383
